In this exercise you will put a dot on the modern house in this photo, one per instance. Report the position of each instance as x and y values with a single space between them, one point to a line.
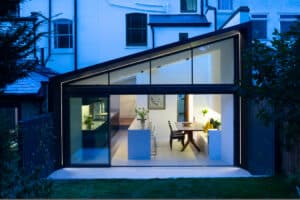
204 68
180 60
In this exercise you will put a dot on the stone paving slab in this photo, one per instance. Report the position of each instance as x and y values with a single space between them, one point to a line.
149 173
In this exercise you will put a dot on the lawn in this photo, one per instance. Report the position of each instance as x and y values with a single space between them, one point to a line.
270 187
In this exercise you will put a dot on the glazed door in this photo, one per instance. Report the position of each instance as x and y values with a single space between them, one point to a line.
89 131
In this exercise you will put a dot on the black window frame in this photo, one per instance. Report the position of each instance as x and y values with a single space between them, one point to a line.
136 29
184 7
63 40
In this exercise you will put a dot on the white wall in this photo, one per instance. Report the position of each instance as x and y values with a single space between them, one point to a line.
127 106
227 119
160 118
166 35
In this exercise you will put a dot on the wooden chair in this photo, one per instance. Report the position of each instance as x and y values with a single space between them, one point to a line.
174 134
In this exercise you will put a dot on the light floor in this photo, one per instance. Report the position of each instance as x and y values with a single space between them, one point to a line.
164 156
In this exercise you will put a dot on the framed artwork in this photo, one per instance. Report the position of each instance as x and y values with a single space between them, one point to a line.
156 102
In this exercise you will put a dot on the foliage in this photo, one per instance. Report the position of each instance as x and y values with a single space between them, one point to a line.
204 112
88 121
17 41
216 123
14 182
141 112
275 82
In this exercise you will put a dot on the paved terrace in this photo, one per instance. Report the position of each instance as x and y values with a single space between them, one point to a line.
149 172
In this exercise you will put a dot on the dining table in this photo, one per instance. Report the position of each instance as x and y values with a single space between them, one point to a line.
189 128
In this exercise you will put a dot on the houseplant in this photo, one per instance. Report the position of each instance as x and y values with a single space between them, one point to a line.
88 121
141 113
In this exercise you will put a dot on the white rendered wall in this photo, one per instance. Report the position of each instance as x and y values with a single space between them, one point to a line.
166 35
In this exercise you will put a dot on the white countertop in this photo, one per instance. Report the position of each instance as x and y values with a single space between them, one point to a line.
137 125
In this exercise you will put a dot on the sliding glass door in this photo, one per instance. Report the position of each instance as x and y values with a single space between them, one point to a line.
89 131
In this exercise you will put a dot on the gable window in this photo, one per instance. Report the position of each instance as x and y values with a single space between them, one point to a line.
188 5
136 29
259 30
225 4
286 22
63 34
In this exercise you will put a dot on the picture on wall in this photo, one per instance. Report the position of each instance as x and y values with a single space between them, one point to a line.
156 102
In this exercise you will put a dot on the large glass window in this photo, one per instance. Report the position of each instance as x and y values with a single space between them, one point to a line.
63 37
135 75
188 5
214 63
173 69
89 131
225 4
95 80
136 29
259 28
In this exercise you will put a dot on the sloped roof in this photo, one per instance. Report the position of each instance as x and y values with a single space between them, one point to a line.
31 84
146 55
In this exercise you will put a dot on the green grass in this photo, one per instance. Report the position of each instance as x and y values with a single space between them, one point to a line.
271 187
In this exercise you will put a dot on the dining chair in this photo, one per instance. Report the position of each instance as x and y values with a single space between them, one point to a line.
174 134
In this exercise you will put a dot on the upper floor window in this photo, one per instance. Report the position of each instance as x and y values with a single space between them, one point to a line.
225 4
286 21
259 29
136 29
9 8
188 5
63 34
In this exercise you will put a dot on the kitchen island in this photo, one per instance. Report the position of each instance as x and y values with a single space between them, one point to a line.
139 140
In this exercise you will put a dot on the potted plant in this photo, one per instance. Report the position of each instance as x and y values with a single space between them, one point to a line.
88 121
141 113
204 112
216 123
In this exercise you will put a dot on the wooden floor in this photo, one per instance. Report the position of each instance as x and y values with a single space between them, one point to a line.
164 156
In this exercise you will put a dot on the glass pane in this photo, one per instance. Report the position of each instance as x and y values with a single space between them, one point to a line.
89 143
63 41
135 75
285 26
259 30
63 29
96 80
188 5
173 69
214 63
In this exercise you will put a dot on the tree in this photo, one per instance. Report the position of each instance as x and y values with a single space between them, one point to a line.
274 82
17 40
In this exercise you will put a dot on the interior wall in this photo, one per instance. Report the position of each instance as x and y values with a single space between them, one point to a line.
160 118
129 104
227 119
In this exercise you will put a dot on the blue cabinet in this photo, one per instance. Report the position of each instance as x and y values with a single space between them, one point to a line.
139 141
